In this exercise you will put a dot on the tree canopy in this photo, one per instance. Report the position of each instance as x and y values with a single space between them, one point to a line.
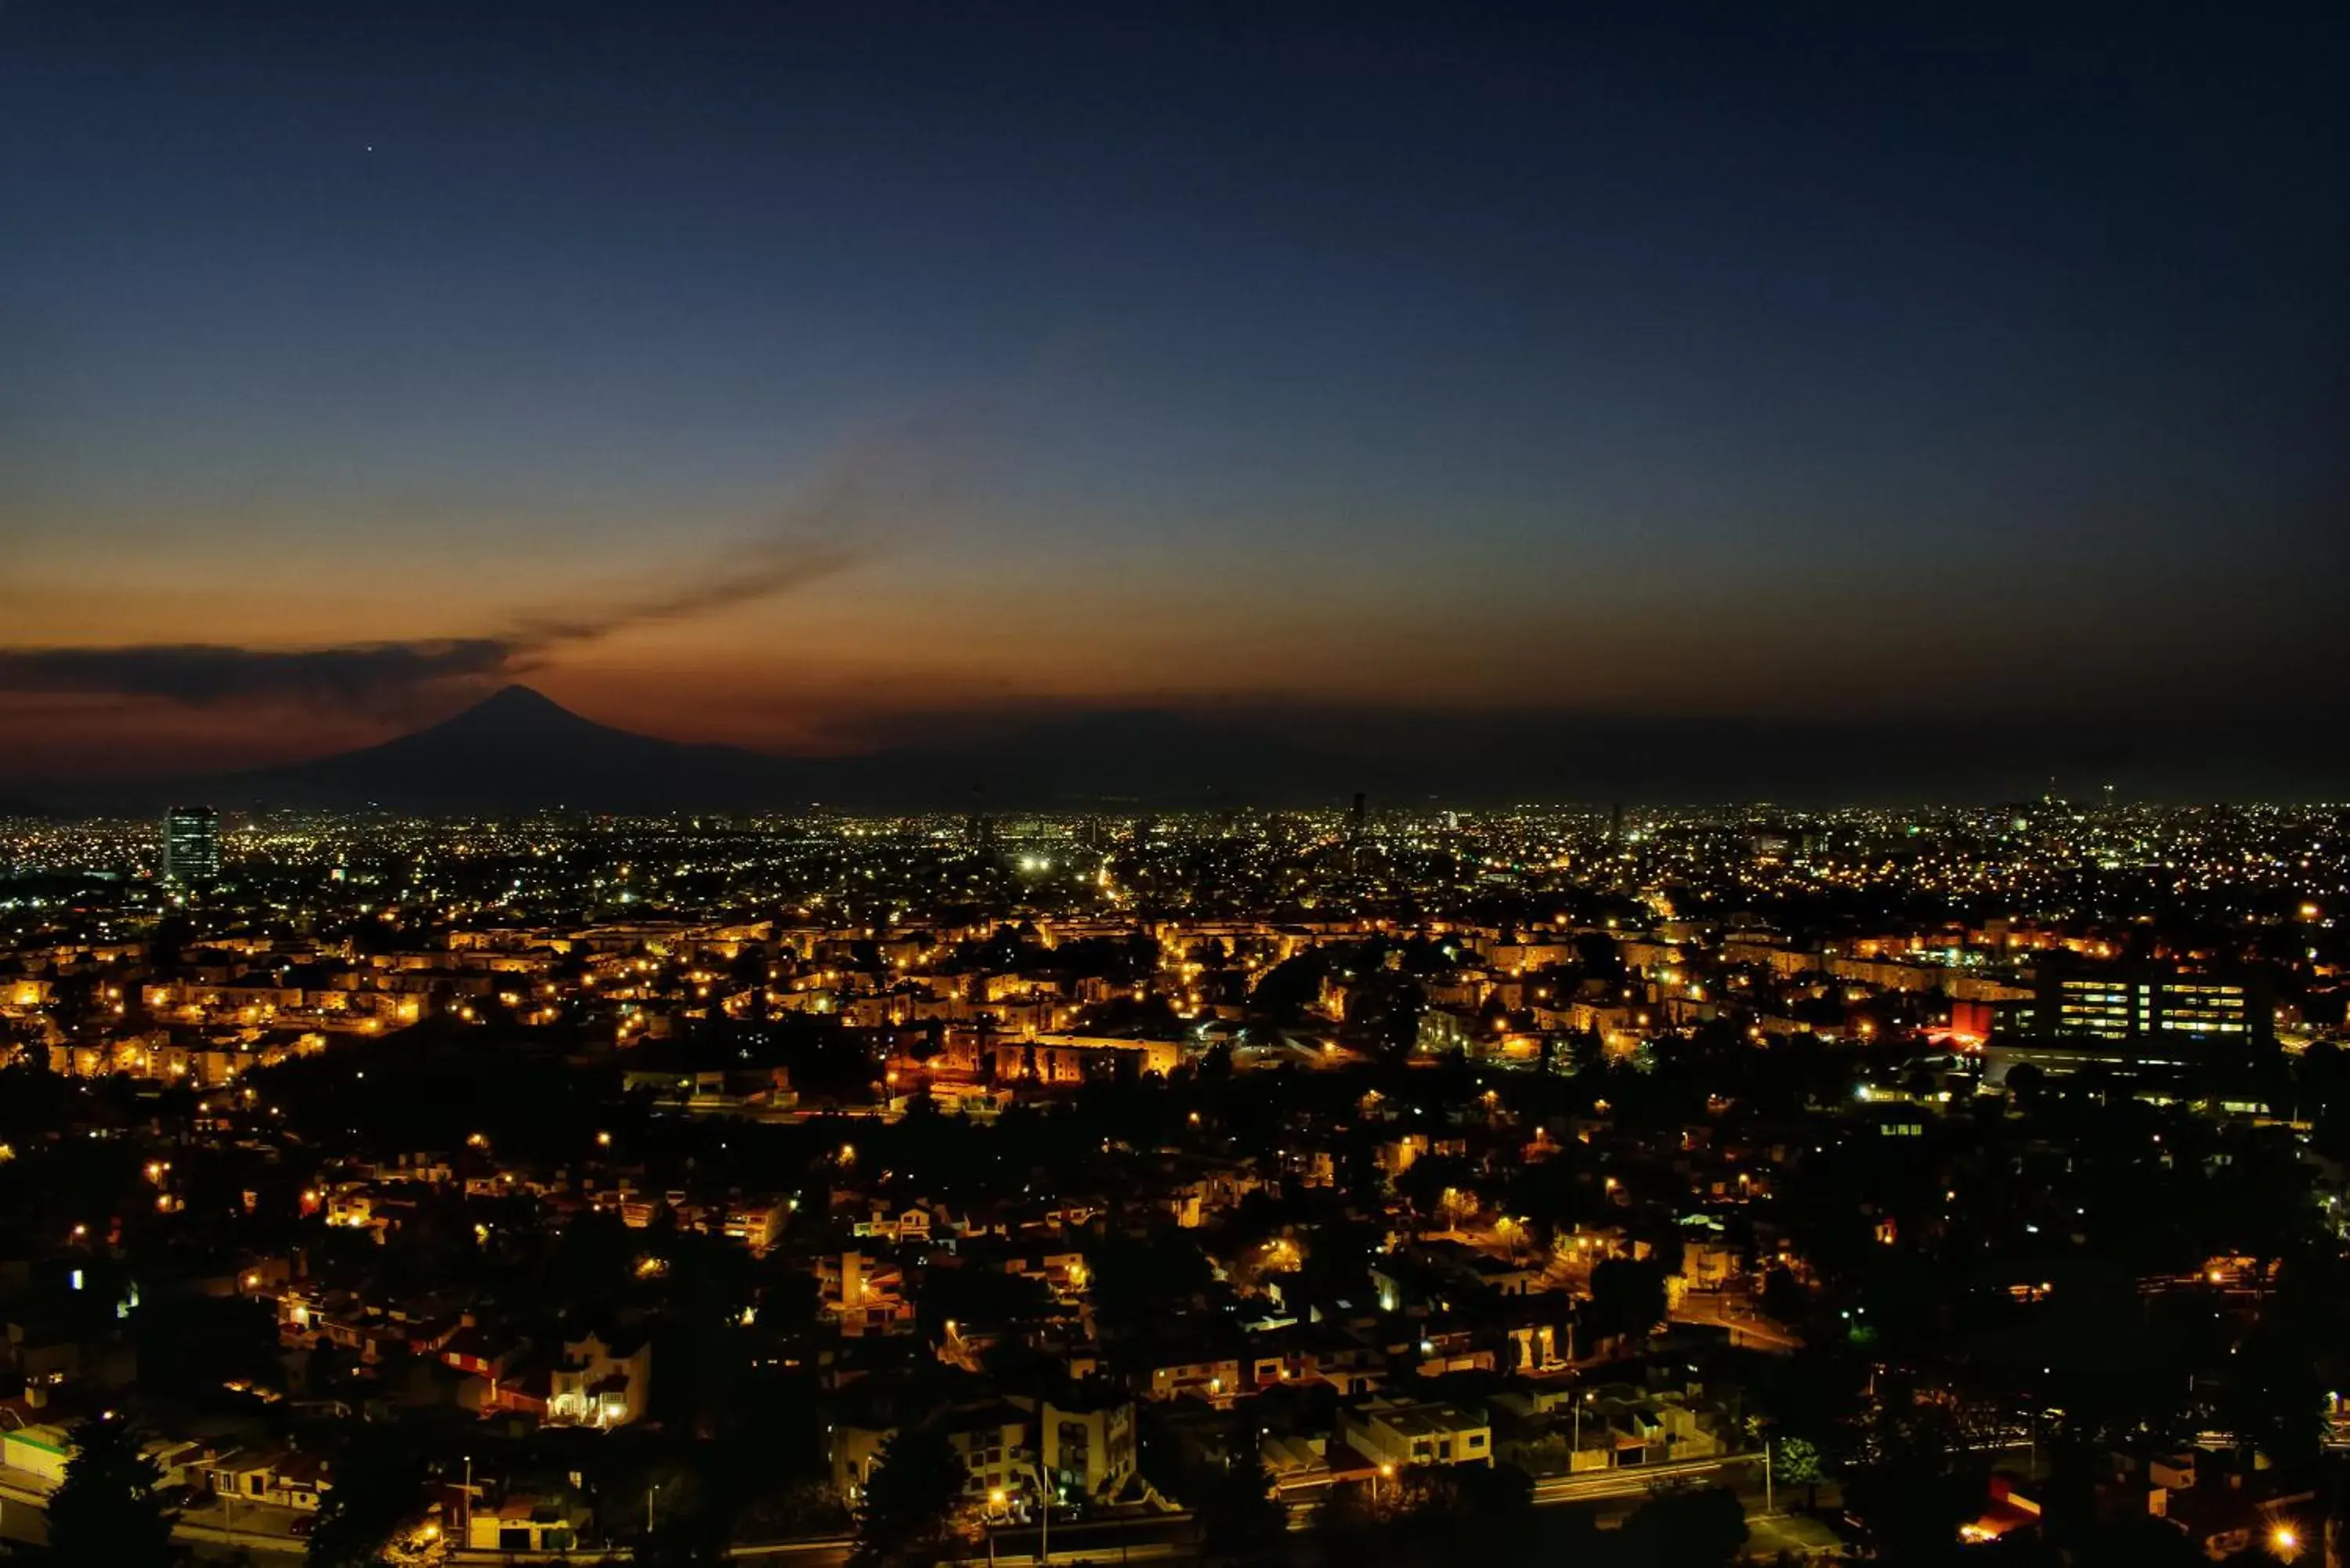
108 1510
910 1499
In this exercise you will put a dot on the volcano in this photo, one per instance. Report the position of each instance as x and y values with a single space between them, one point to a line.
519 750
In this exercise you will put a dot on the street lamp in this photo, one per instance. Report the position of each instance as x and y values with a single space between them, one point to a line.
1044 1513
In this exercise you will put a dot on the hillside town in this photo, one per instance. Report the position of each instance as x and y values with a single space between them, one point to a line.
1622 1184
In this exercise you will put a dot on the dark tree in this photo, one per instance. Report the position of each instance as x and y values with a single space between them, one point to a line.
1291 986
1783 1299
1239 1519
372 1499
1600 957
107 1509
1687 1529
910 1500
1918 1486
1344 1523
1628 1296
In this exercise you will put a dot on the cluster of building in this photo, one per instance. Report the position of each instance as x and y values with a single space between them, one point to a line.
1115 1153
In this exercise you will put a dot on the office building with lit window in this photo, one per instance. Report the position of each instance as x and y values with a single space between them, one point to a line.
192 845
2140 1003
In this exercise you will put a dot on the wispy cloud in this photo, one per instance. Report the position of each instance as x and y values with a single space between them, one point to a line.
389 676
831 527
762 569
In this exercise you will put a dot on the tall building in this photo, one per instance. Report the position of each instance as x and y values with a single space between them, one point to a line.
190 844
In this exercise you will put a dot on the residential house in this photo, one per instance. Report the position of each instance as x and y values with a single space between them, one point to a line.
526 1522
279 1477
600 1384
864 1294
1399 1432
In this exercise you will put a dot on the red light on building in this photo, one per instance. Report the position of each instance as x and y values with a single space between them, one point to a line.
1971 1023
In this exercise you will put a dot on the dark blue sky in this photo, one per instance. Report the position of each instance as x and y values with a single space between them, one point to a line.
1733 362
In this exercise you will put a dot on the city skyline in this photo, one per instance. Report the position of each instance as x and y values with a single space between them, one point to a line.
825 382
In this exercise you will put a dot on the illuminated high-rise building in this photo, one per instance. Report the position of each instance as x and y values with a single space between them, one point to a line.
192 844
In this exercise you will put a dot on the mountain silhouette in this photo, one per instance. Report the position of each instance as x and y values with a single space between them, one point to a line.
517 711
519 750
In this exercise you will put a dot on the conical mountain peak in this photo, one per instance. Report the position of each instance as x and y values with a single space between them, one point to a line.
517 707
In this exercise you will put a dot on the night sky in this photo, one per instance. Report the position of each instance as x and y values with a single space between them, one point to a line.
820 377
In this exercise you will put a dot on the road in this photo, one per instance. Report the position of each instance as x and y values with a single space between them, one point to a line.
1610 1496
1734 1314
1639 1480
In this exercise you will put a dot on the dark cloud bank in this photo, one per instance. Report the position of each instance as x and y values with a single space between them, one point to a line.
404 676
